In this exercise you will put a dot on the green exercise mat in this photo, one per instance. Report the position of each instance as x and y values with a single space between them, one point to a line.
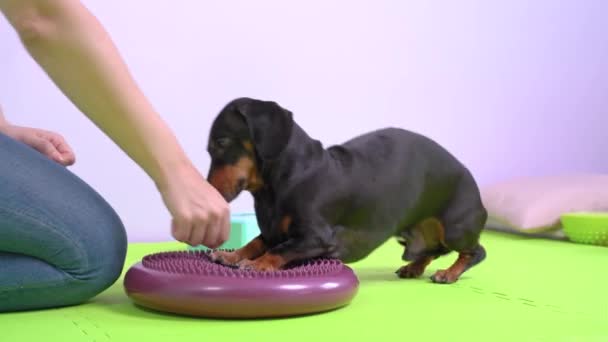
526 290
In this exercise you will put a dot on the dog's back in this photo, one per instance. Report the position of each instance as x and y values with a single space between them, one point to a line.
390 180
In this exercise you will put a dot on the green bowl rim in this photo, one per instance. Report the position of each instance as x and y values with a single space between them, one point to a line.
586 214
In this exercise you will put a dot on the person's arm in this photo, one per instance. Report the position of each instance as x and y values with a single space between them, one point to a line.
75 51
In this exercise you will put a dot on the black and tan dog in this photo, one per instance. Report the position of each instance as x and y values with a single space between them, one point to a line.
346 200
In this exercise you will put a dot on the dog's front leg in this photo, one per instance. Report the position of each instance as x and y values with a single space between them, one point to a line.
294 249
252 250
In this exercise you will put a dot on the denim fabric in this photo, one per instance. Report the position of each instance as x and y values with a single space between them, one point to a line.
60 242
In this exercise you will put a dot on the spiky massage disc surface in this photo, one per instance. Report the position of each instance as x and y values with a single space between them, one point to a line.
190 283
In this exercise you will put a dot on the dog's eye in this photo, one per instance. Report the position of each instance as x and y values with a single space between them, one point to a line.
223 142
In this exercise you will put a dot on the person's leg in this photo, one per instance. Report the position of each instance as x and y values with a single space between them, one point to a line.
60 242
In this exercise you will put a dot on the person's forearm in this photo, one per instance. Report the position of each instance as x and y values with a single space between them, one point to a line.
68 42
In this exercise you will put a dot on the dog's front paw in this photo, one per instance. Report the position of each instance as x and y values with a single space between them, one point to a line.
409 271
225 258
444 277
256 265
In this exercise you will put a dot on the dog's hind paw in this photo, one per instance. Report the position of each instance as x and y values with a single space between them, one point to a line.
444 277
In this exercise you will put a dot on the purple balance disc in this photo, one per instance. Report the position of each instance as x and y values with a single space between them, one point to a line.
190 283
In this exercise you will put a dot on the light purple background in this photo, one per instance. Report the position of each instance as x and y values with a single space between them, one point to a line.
510 87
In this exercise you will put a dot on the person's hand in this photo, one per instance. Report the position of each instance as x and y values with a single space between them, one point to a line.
47 143
200 213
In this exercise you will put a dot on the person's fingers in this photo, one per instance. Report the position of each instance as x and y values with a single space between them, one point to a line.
62 147
211 228
224 228
44 146
208 219
181 228
212 236
200 230
222 209
219 224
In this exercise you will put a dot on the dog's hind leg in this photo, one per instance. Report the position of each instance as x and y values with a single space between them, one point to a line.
464 219
423 243
465 261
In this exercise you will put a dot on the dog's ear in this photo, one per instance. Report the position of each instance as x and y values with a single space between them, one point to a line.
269 124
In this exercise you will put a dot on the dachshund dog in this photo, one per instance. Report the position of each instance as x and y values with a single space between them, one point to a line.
345 200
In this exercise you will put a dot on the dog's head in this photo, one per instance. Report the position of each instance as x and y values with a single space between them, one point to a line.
246 133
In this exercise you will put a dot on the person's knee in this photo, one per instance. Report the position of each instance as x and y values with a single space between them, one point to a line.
106 247
112 252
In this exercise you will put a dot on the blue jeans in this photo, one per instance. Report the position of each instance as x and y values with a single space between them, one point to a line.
60 242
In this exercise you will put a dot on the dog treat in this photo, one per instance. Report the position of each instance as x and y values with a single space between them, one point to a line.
190 283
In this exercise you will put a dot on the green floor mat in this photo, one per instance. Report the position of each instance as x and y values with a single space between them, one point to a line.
526 290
